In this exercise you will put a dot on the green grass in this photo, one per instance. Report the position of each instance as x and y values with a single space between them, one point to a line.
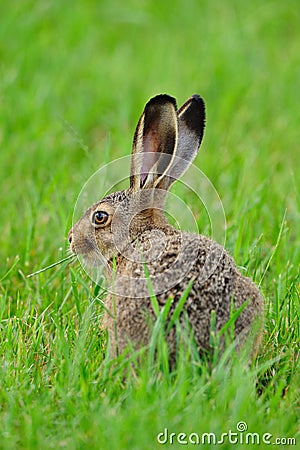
74 79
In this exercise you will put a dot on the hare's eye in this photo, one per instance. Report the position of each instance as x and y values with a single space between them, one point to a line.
100 218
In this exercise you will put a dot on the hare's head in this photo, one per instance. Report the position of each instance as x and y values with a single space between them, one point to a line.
165 143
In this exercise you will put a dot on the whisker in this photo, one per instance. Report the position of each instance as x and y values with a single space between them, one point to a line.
68 258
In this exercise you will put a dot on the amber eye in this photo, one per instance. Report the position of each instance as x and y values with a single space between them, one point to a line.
100 218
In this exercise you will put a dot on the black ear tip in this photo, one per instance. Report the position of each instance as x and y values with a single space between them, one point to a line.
193 114
162 99
200 108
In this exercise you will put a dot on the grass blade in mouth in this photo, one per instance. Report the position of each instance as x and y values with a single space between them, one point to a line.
70 257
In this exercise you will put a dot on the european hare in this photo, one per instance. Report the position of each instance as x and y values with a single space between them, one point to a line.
129 230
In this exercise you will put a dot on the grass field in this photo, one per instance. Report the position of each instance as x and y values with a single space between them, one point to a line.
74 79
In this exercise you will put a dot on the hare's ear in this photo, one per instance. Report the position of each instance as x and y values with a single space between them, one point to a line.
154 142
191 124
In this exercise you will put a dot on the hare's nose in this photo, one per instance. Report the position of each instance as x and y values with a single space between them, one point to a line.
70 236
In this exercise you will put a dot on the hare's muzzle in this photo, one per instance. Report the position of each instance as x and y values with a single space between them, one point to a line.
70 236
